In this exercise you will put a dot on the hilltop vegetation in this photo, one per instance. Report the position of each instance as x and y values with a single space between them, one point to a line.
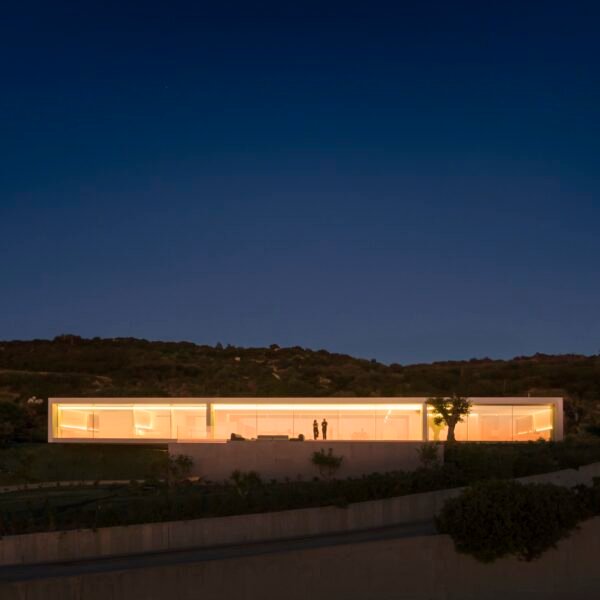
73 366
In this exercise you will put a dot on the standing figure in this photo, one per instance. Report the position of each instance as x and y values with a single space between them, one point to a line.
324 428
315 429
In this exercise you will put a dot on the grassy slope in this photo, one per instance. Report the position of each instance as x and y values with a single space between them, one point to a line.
30 463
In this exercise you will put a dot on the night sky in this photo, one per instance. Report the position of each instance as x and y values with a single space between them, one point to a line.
408 185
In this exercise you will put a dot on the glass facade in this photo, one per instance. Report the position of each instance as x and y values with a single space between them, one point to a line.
344 421
132 420
499 423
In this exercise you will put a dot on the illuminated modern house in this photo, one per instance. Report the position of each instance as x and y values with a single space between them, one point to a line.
158 420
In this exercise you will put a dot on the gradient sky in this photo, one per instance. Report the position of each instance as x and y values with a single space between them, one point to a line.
409 185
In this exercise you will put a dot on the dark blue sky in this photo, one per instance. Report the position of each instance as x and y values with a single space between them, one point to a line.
408 184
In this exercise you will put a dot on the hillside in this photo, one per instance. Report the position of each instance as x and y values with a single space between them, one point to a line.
73 366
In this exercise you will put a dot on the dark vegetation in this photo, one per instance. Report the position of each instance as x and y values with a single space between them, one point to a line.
32 463
327 463
493 519
174 498
73 366
476 461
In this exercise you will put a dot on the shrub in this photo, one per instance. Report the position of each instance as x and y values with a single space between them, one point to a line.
13 423
327 463
428 455
483 460
178 468
245 482
593 429
493 519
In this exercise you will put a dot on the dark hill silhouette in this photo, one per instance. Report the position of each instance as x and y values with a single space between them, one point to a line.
73 366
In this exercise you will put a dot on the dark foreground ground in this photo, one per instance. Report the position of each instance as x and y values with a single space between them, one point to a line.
388 564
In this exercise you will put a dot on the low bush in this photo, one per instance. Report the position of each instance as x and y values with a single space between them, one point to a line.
429 454
492 519
593 429
327 462
477 461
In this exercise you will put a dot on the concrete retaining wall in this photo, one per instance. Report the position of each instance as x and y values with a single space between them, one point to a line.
152 537
171 535
419 568
285 459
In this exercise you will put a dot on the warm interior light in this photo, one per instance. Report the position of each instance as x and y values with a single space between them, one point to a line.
95 407
316 407
77 427
362 420
78 420
144 420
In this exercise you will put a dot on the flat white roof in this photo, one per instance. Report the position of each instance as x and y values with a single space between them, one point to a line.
525 400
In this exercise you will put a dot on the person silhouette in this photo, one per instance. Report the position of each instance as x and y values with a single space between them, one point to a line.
315 429
324 428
